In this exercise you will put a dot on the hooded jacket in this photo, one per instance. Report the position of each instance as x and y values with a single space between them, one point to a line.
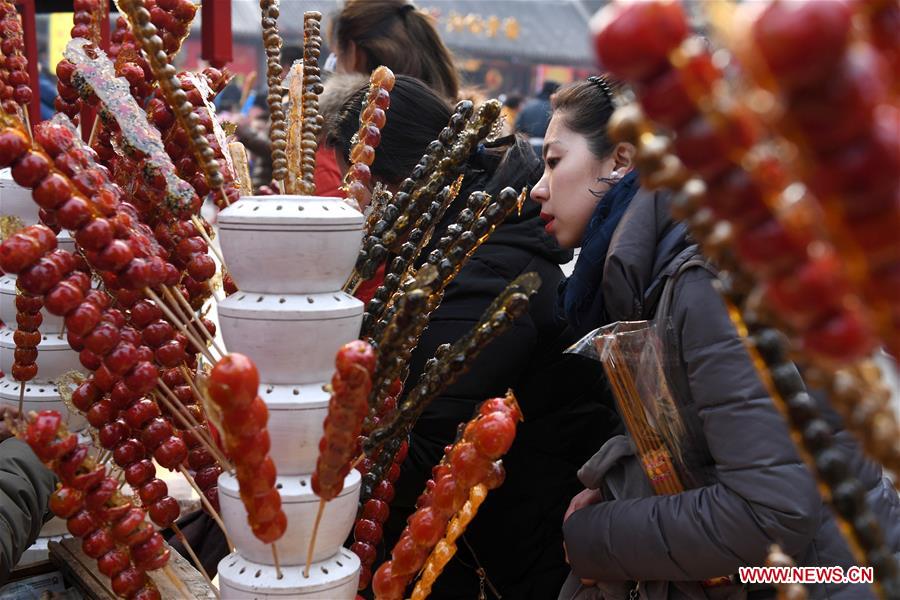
757 492
516 536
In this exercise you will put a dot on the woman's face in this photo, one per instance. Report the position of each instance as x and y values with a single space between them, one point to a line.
571 174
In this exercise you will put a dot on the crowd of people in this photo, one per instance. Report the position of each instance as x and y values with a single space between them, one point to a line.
576 517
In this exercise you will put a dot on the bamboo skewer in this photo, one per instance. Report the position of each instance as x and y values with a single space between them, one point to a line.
278 572
183 308
177 322
209 507
199 565
202 231
207 442
178 583
312 539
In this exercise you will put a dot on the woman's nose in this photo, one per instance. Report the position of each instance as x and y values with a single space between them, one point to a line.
540 193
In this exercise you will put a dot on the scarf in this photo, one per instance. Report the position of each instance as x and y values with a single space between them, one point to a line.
580 298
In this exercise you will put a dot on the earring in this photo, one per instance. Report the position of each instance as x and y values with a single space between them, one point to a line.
614 175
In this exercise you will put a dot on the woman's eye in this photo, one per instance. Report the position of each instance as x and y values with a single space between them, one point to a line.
552 162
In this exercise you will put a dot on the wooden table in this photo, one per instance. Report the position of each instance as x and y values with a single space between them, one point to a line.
81 570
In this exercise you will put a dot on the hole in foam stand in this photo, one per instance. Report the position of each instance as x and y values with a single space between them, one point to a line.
258 573
324 570
309 299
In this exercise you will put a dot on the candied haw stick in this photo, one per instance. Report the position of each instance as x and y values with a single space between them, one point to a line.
113 530
348 406
469 468
153 46
16 92
312 87
232 387
371 121
277 118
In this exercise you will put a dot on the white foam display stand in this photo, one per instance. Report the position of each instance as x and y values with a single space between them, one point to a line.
289 256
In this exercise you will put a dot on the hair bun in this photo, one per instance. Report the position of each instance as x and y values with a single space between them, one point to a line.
406 8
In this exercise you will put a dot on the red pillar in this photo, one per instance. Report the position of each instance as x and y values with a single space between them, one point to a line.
29 27
216 33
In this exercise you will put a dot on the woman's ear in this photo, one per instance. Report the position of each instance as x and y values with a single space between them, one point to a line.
623 156
360 60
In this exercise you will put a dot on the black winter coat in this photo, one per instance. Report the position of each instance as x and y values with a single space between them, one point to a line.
516 536
759 492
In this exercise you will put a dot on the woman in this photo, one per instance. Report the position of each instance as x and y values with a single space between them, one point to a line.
515 538
369 33
755 491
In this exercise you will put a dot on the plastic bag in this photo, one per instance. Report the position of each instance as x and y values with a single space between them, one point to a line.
634 359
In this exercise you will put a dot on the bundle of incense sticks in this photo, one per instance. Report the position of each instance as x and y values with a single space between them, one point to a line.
628 353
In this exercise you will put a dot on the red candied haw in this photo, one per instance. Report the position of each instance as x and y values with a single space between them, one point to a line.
128 582
802 42
112 563
130 335
363 154
233 382
144 354
263 508
448 496
374 115
129 452
468 465
769 246
252 450
140 412
30 169
145 312
40 277
24 372
18 252
29 322
115 256
157 333
199 457
74 213
365 551
152 491
25 356
493 435
99 299
155 432
23 94
426 527
142 378
384 491
52 191
407 557
103 338
207 477
376 510
271 530
125 526
112 434
98 543
387 584
121 396
496 476
367 531
188 247
90 360
104 379
66 501
63 299
365 577
85 395
80 31
101 494
371 136
27 338
247 422
202 267
634 40
145 551
95 235
160 114
361 173
28 304
13 145
171 453
260 480
81 524
121 359
173 377
843 337
164 512
138 473
100 413
83 319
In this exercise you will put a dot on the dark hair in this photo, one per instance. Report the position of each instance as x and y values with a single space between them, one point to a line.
415 118
513 102
397 35
585 108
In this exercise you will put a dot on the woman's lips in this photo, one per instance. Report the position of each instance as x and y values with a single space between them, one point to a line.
548 219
